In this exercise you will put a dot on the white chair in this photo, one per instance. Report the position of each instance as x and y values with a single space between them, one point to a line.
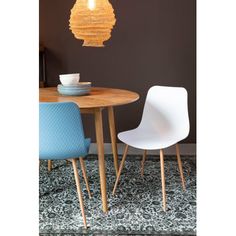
164 123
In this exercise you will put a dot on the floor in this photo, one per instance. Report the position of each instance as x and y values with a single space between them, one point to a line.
134 210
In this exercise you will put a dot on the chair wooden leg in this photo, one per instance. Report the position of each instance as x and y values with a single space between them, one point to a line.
163 179
180 166
85 175
120 168
143 161
79 191
49 165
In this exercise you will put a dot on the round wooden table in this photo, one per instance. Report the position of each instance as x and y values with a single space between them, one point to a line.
94 103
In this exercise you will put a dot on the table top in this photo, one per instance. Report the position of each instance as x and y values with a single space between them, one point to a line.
98 97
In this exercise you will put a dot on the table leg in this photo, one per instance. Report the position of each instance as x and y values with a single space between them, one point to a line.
113 137
101 159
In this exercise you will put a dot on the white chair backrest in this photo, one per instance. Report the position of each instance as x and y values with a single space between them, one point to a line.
166 112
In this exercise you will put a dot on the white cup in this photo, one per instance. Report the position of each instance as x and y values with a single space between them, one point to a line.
69 79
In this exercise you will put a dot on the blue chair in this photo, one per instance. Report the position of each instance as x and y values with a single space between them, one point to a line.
61 137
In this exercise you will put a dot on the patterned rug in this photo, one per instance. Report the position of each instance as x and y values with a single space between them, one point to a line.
135 209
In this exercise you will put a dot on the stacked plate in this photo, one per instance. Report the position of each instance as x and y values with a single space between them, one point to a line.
79 89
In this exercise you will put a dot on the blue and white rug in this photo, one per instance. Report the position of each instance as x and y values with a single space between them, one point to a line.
135 209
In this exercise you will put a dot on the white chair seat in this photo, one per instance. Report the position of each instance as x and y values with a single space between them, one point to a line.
164 122
142 139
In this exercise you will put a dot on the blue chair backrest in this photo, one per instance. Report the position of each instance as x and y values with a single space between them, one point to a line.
61 134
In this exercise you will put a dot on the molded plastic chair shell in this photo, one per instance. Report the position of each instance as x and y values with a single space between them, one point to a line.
165 119
61 134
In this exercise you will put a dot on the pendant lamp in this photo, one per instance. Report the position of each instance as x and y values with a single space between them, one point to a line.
92 21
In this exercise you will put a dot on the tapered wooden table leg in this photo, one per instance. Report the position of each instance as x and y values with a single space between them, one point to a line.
101 159
113 137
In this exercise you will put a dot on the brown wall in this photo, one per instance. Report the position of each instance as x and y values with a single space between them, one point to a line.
153 43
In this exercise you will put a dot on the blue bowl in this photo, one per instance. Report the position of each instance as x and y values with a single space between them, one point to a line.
73 90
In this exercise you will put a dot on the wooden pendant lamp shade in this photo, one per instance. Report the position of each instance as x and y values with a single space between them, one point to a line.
92 21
